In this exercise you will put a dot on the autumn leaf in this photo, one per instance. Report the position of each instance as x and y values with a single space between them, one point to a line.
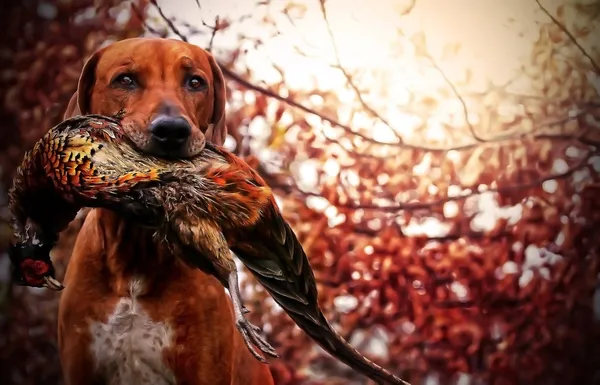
420 43
450 50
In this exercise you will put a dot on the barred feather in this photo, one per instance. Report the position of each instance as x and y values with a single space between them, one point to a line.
205 207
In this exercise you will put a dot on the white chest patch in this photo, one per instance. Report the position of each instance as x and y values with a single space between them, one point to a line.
128 347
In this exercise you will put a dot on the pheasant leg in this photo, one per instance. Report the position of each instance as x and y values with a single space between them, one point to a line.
250 333
207 239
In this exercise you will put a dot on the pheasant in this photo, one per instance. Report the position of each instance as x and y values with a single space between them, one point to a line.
203 208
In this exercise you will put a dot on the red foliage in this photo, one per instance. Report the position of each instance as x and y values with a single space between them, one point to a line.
501 289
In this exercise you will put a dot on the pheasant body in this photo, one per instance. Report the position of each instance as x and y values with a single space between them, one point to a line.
205 208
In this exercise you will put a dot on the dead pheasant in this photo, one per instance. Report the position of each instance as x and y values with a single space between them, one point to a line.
203 208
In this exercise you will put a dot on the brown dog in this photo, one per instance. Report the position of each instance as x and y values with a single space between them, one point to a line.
131 313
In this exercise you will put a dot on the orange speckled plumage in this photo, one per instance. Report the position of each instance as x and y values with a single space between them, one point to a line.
86 161
64 160
205 208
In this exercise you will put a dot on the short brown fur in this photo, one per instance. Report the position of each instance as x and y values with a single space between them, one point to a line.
207 349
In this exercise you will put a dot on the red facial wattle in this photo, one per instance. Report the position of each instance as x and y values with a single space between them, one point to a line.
34 271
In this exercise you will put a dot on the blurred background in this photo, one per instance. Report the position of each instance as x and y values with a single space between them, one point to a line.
438 160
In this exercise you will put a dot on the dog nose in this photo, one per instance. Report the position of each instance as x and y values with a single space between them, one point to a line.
170 133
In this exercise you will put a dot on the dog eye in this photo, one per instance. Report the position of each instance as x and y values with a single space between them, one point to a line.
196 83
124 80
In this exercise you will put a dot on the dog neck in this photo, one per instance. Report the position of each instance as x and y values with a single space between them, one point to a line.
132 255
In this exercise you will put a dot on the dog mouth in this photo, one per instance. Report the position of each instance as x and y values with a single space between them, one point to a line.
169 148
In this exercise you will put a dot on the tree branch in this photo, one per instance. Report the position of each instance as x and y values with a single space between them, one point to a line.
459 97
349 80
571 37
412 206
214 29
232 75
138 13
169 22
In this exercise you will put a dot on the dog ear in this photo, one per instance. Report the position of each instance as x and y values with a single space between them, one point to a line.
86 83
217 131
72 108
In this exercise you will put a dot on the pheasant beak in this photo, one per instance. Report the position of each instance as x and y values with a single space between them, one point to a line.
53 284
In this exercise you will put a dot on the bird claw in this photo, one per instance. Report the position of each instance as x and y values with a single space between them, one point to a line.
250 333
52 284
253 340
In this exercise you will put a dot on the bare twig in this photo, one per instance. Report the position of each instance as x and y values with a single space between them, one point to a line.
349 80
214 29
459 97
534 134
251 86
570 36
138 13
348 130
169 22
412 206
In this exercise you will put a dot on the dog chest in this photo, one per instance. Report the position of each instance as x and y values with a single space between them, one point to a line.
128 348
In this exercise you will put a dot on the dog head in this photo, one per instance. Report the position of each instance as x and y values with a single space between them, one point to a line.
172 94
